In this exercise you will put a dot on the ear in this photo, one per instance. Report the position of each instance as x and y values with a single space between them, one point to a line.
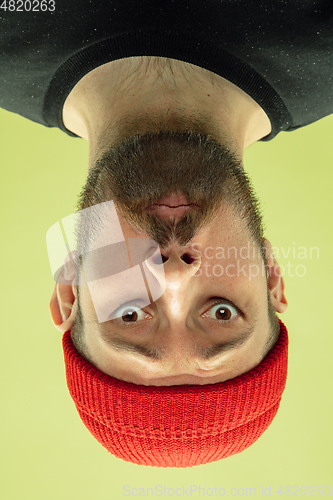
276 284
64 305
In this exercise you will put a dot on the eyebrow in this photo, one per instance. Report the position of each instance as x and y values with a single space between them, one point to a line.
157 354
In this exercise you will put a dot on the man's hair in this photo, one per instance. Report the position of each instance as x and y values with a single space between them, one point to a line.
207 168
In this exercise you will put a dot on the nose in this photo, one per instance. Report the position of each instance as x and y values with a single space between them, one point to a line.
173 275
186 255
179 266
179 262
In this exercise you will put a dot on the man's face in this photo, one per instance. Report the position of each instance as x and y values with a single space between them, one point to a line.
211 324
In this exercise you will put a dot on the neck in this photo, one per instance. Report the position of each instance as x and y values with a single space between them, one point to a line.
140 94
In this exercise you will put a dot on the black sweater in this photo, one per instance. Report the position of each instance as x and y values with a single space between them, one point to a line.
280 52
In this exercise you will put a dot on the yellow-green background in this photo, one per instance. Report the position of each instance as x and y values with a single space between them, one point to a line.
46 452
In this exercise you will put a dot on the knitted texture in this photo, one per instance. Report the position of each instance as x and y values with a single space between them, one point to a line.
182 425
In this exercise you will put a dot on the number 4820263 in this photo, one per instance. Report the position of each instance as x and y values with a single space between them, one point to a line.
28 5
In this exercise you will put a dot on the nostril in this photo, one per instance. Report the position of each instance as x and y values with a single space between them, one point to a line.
157 258
187 258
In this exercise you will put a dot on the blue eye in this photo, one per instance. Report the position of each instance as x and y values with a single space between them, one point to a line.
223 311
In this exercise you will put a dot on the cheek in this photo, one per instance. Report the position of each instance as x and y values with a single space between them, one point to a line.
88 312
247 358
97 349
128 231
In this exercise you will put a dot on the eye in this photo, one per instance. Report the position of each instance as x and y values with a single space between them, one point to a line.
222 311
129 313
